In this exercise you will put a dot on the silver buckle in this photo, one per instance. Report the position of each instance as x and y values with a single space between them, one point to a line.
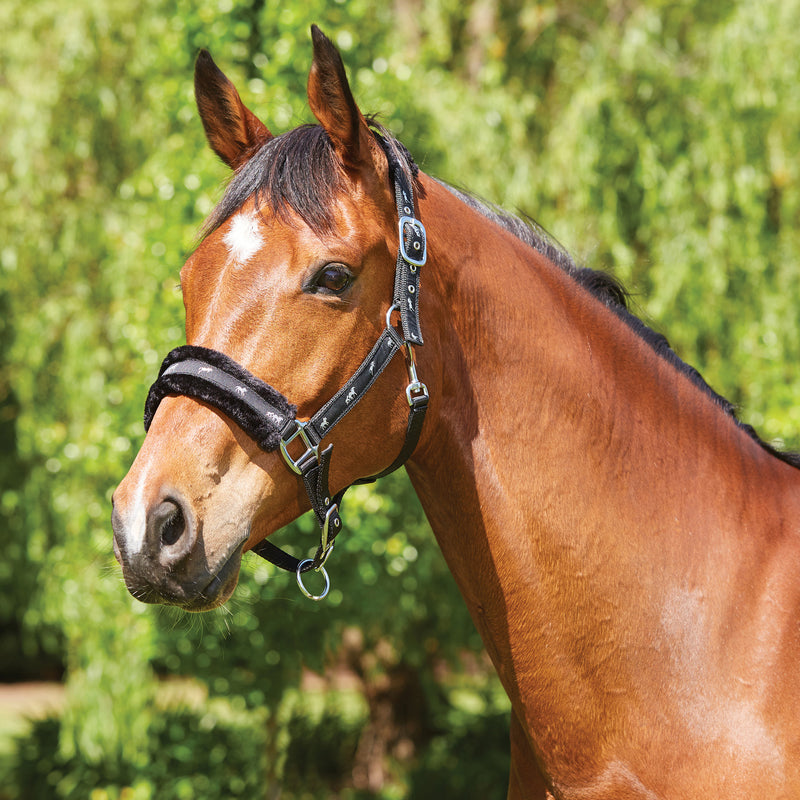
419 229
327 548
311 448
417 394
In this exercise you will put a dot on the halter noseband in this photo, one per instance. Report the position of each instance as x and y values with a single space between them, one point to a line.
271 420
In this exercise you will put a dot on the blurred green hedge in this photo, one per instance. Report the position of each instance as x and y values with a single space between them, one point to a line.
223 750
192 755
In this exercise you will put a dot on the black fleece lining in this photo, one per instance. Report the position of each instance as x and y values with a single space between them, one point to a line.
214 378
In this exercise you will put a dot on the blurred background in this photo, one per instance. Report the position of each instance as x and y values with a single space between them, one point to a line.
657 140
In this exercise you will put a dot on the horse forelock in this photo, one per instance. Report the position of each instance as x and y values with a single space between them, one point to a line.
298 172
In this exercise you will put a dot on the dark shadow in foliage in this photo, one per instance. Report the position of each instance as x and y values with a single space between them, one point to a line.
25 655
470 763
322 748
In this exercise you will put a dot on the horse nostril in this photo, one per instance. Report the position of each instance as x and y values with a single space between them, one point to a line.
168 533
173 525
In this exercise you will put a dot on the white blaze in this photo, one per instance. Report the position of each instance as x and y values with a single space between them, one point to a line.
243 239
137 530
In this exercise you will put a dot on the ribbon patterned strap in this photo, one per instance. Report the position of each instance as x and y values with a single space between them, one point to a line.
412 256
359 384
412 252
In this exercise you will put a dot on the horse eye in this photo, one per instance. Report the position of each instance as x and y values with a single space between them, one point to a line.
333 279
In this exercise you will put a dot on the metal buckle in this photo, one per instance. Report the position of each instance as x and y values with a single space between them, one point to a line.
327 548
419 231
417 394
311 449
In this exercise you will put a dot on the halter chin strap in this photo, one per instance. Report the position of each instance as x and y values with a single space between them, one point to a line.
271 420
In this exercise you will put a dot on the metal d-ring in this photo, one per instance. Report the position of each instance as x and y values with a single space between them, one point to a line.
300 583
392 308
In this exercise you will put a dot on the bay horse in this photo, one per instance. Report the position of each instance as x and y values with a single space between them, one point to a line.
628 550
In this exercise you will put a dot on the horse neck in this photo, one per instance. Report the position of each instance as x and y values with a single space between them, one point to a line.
563 452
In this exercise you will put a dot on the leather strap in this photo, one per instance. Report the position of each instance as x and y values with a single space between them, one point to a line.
312 464
412 251
359 384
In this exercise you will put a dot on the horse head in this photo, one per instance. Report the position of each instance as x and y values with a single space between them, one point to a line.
292 284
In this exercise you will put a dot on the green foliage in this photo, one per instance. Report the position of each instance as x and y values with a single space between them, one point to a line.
322 735
212 753
682 143
470 760
655 139
222 750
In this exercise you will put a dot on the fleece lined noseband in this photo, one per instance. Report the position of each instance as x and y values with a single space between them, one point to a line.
271 420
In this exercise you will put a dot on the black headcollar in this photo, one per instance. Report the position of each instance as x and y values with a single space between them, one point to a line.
270 419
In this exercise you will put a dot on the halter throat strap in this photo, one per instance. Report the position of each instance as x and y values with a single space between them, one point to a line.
271 420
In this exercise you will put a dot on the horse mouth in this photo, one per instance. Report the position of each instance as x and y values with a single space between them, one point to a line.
195 593
221 585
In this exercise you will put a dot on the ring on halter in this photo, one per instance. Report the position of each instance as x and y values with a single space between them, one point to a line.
300 583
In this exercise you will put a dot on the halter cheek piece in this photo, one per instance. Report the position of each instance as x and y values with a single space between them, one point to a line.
271 420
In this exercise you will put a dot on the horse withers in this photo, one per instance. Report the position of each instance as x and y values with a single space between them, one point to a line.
627 549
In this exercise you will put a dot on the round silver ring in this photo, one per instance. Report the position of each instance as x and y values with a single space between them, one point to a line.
302 585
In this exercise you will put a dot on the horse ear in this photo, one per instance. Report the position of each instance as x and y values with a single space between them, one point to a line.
233 131
331 102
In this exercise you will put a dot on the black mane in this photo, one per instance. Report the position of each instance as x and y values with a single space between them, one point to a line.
297 171
610 291
300 172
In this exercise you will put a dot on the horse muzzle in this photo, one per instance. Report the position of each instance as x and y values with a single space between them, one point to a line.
163 559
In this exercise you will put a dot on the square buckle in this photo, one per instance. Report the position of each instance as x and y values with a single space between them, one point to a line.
312 450
418 241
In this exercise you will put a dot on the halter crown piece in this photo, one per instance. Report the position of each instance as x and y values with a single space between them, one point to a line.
271 420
